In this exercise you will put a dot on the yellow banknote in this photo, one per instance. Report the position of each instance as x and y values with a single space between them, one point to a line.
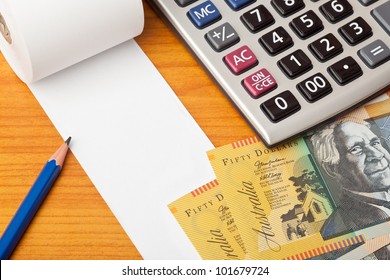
205 216
279 196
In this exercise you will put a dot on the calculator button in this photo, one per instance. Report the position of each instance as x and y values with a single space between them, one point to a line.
183 3
257 18
326 47
307 24
276 41
345 70
315 87
204 14
367 2
280 106
240 60
356 31
238 4
295 64
259 83
287 7
375 54
336 10
222 37
382 16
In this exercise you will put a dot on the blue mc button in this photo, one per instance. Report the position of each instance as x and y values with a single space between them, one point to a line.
204 14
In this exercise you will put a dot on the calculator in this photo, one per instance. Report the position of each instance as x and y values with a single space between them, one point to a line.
288 65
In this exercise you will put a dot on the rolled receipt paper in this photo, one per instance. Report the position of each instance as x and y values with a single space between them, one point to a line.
151 151
43 37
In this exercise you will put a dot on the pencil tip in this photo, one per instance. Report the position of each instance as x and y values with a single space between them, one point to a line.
68 141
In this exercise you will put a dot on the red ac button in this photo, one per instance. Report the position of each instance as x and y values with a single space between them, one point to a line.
240 60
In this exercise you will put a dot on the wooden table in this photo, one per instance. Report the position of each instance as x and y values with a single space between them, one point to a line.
74 222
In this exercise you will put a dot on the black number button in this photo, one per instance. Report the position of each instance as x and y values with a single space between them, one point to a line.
315 87
183 3
336 10
345 71
326 47
276 41
367 2
257 18
287 7
307 24
280 106
295 64
356 31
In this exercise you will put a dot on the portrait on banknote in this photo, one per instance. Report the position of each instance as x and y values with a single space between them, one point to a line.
353 155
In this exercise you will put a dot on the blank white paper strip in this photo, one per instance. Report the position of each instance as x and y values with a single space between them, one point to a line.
135 140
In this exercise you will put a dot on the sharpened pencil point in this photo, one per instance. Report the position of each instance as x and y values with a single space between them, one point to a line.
68 141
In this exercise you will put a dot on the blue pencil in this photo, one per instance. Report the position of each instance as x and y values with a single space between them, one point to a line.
32 202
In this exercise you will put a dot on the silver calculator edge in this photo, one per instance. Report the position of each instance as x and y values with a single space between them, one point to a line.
374 81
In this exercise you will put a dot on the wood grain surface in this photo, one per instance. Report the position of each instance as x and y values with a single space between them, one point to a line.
74 222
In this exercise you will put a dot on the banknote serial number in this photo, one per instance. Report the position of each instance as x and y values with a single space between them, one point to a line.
241 270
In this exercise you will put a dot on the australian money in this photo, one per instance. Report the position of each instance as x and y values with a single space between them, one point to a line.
343 243
353 157
205 216
374 247
280 197
377 248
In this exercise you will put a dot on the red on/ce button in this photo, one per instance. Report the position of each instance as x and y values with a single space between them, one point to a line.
259 83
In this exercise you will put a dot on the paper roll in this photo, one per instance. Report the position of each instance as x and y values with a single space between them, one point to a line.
42 37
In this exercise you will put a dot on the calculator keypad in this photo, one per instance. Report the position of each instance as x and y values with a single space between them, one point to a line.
288 63
356 31
184 3
295 64
345 70
307 24
314 87
367 2
238 4
287 7
204 14
259 83
241 60
326 47
257 19
222 37
382 15
336 10
280 106
375 54
276 41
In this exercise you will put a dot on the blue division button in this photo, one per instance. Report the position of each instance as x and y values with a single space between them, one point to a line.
375 54
238 4
204 14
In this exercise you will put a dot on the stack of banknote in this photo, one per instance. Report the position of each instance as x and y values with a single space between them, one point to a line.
325 195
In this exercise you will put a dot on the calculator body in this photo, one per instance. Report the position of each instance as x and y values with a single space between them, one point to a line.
285 81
